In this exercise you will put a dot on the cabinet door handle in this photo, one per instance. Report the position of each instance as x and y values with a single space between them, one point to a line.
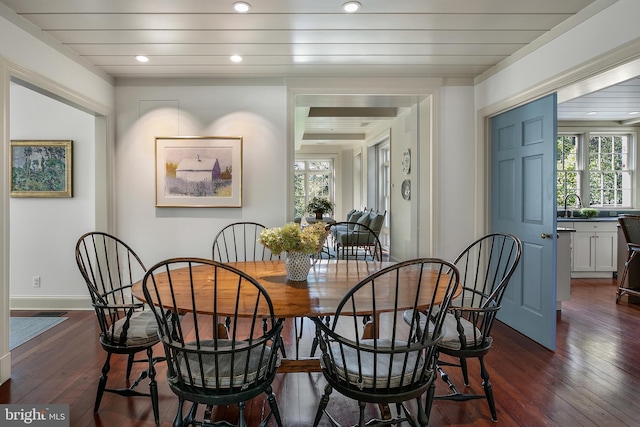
545 236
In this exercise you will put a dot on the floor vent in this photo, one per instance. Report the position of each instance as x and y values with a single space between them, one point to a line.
49 314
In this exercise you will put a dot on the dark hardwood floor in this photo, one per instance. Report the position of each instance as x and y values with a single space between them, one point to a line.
592 379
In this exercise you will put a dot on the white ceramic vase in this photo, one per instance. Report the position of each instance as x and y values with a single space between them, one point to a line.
298 265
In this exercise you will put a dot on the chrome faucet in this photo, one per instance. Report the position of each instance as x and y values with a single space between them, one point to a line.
578 203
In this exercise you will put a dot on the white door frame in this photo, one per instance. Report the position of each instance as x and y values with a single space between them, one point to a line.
105 206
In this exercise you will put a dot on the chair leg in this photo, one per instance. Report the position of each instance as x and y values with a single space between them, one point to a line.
431 392
153 386
619 291
488 390
271 398
465 371
130 361
177 420
102 383
314 343
362 406
322 405
241 420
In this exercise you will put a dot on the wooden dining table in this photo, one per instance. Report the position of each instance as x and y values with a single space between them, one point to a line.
327 283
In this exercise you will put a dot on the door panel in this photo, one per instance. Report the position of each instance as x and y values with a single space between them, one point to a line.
523 203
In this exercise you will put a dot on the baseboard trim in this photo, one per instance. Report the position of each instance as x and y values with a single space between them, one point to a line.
50 303
592 275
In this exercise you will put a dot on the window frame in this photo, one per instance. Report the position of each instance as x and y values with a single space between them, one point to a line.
584 135
332 177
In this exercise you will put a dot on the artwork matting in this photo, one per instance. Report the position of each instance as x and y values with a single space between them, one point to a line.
199 172
41 168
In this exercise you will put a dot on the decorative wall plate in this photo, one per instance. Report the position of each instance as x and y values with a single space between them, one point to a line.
406 161
406 189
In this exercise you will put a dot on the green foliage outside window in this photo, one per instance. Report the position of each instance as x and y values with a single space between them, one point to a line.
607 165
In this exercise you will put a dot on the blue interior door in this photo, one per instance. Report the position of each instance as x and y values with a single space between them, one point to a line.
523 203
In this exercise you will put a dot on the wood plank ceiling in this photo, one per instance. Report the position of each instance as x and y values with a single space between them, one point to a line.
454 39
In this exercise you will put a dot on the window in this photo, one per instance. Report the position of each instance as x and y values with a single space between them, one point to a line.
567 168
384 189
313 177
597 167
609 174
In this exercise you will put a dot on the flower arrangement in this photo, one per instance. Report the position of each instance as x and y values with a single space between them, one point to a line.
291 238
320 204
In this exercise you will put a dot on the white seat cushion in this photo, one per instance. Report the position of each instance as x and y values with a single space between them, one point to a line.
143 330
383 361
450 337
407 315
257 367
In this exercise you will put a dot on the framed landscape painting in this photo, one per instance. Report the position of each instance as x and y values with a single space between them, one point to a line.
199 172
41 168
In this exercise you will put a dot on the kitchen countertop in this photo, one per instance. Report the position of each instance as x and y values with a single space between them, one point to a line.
597 219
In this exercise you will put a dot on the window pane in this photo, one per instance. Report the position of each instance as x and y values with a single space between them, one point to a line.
318 185
299 206
298 185
319 166
299 166
609 176
568 175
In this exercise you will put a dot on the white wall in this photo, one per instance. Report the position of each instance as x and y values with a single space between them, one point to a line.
456 171
257 113
402 215
44 230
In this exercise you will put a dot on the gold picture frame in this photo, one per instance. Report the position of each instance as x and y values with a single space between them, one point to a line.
199 172
41 168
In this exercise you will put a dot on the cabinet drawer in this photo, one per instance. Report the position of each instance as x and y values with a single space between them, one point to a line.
595 226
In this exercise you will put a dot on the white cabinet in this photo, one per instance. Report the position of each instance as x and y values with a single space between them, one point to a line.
563 272
595 248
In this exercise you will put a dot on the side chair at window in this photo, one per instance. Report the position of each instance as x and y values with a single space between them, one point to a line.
110 267
486 267
208 365
387 361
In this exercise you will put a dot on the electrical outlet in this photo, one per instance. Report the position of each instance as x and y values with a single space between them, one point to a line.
36 281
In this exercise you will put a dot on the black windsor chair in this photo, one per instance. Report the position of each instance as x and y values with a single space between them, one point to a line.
110 267
486 267
210 365
386 362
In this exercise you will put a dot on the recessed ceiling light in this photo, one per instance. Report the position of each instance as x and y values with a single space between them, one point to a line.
351 6
241 7
591 113
142 58
236 58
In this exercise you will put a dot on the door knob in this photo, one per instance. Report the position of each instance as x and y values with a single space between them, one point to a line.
545 236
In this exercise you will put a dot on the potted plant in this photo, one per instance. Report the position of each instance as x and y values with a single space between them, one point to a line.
298 243
320 205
